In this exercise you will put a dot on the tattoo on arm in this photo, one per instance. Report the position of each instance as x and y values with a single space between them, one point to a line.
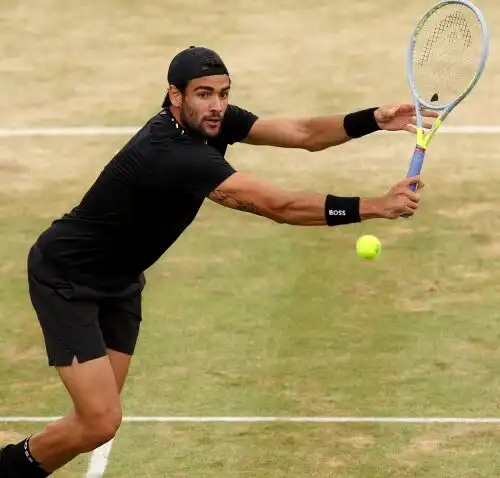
227 200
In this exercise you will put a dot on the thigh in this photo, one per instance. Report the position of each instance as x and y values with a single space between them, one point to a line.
92 388
120 363
119 321
70 327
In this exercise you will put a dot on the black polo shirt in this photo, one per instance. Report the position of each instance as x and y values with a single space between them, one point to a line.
142 201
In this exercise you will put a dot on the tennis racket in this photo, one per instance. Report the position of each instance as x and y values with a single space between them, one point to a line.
446 57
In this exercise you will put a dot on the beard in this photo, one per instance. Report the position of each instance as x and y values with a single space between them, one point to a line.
198 128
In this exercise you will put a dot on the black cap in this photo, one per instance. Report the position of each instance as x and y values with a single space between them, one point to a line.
193 62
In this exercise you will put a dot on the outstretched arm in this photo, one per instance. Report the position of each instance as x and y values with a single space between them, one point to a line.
246 193
316 134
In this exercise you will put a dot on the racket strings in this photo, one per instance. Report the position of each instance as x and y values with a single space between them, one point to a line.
455 19
446 52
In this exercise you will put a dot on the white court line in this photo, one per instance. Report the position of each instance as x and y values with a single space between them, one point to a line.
243 419
69 131
130 130
99 461
314 419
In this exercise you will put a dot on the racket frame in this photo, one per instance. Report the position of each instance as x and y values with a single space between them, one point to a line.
424 138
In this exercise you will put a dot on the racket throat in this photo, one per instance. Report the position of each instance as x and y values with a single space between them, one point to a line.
420 138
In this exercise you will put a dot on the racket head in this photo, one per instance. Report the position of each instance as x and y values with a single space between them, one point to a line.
447 54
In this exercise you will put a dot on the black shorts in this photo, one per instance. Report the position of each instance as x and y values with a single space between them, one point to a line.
79 321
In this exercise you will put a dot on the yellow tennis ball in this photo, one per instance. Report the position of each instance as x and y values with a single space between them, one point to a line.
368 247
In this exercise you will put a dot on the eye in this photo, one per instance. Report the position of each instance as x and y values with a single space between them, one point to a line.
224 94
204 94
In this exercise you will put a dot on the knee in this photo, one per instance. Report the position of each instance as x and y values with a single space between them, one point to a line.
106 428
100 427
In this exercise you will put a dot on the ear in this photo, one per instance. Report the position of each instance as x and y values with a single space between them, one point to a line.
175 96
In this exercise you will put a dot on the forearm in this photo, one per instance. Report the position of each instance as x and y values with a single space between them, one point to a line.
301 209
328 131
311 209
325 132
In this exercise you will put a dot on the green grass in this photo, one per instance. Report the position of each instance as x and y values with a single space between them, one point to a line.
308 451
243 317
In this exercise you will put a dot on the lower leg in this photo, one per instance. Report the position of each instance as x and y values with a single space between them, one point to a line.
61 441
58 443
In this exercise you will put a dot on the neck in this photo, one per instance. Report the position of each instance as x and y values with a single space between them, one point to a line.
176 113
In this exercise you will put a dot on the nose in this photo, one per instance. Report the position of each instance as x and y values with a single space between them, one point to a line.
216 104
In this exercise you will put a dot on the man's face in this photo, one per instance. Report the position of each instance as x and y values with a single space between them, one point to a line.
204 103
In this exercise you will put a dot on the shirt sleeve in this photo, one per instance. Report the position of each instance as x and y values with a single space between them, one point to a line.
236 124
196 169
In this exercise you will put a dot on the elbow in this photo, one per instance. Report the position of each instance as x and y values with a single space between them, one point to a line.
310 144
279 211
313 148
279 220
309 140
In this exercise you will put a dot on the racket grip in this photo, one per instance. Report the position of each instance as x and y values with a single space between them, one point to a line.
416 163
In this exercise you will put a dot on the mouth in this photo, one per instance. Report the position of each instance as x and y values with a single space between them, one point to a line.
213 121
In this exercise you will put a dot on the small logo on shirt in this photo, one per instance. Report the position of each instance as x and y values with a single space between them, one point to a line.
337 212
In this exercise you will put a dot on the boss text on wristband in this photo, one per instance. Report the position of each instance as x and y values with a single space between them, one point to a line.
341 210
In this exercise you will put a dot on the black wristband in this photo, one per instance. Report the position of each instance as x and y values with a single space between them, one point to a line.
341 210
360 123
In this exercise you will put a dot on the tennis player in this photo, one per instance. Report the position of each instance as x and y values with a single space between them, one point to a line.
86 271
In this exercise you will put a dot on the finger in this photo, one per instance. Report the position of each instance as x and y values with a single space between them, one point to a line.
430 113
410 128
412 205
408 193
406 108
425 124
407 182
409 186
407 211
412 195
